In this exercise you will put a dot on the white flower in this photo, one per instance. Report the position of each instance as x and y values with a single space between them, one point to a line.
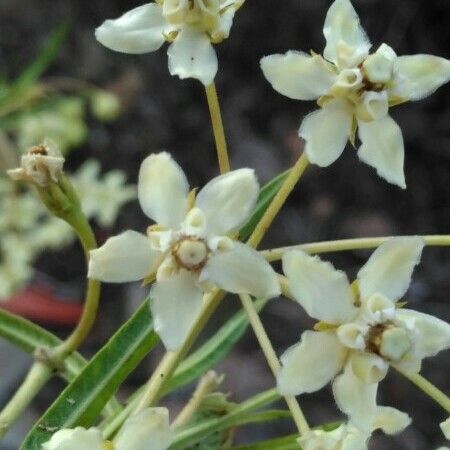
354 90
191 26
189 248
364 331
148 430
345 437
445 427
40 164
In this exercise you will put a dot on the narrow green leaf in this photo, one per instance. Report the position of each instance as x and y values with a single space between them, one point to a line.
47 55
283 443
238 416
82 401
212 351
266 195
28 336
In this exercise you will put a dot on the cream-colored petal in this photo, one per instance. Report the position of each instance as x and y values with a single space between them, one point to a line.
175 304
309 365
368 367
388 271
382 148
137 31
323 291
422 74
148 430
163 190
241 270
390 420
74 439
298 75
356 398
228 200
326 132
193 56
432 335
445 427
125 257
343 29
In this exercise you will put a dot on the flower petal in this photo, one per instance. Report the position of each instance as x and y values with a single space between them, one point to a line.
137 31
432 335
175 304
390 420
228 200
356 398
422 74
342 27
148 430
326 132
242 270
193 56
445 427
74 439
323 291
298 75
388 271
163 190
125 257
311 364
382 148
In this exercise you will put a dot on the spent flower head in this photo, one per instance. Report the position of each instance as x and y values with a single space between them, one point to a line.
191 27
363 330
190 248
354 90
148 430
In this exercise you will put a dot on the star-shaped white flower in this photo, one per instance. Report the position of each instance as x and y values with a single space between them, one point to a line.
191 26
148 430
354 90
364 331
190 248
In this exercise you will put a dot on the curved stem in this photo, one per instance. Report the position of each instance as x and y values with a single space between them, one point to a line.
348 244
37 377
217 126
272 360
278 201
427 387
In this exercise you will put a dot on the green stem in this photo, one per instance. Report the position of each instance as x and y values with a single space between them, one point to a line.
348 244
36 378
428 388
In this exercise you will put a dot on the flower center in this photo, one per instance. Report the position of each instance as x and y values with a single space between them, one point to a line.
388 341
198 13
191 253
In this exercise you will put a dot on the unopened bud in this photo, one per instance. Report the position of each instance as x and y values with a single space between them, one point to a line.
105 105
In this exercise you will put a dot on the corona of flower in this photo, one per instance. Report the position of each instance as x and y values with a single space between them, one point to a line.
354 90
191 26
148 430
189 248
361 327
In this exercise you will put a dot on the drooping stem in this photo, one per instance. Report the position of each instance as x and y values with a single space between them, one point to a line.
427 388
217 126
36 378
272 359
348 244
278 201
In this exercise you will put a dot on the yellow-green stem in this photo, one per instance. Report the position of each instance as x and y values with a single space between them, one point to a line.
168 364
217 126
272 359
348 244
278 201
37 377
428 388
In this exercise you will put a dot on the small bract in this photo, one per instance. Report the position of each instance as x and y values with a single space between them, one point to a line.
190 248
191 26
354 90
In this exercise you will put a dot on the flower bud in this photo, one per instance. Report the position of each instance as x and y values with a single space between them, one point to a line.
40 165
105 105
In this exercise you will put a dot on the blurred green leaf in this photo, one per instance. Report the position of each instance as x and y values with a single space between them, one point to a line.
266 195
283 443
82 401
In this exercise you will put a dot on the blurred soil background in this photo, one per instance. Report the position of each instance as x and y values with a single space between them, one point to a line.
345 200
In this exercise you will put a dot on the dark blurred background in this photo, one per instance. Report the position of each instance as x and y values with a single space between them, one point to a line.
342 201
